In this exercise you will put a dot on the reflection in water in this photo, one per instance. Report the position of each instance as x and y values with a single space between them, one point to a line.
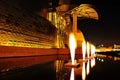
83 72
92 50
41 69
116 58
59 65
45 67
88 67
8 64
92 62
62 73
72 74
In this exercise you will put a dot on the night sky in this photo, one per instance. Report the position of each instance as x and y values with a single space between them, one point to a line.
104 31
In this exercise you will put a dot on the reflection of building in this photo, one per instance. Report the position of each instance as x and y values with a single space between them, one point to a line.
61 72
116 46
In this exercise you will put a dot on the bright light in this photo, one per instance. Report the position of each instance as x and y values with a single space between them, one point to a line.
92 50
83 72
88 49
84 49
72 74
72 43
92 62
88 67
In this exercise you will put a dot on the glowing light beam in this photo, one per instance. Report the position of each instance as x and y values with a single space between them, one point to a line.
73 46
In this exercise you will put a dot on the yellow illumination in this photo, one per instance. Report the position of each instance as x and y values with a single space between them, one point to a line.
88 67
84 49
85 11
72 43
92 62
83 72
88 49
72 74
92 50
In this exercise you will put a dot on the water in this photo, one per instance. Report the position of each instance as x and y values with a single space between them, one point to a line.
101 67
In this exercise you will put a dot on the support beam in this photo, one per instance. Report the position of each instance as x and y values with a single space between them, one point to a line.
74 21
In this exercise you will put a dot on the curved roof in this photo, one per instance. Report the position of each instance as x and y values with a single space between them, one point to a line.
85 11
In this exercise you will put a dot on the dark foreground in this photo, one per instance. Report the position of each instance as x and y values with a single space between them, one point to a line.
101 67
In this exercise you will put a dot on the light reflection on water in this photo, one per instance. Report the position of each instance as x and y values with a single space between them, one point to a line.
88 67
51 67
72 74
81 71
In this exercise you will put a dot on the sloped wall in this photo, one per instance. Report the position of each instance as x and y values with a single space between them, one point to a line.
19 27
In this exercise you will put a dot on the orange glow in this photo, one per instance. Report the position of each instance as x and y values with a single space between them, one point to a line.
92 50
72 74
88 67
92 62
87 8
72 43
92 54
84 49
88 49
83 72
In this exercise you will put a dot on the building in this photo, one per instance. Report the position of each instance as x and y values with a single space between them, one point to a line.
22 29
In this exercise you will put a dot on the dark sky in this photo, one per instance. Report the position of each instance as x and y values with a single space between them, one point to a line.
107 29
104 31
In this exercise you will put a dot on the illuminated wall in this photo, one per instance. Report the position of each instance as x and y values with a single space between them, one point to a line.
61 19
24 29
60 24
20 39
64 27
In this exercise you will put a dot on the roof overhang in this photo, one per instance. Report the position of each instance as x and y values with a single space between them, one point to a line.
84 11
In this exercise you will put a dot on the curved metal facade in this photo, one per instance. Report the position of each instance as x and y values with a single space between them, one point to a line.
23 29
